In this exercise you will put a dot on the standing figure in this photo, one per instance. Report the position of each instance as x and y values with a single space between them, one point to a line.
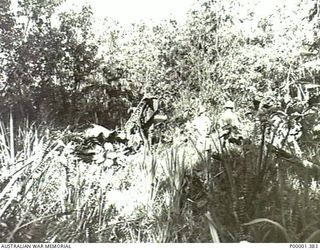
202 126
229 125
141 122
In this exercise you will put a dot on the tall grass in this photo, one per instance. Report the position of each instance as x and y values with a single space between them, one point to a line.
173 194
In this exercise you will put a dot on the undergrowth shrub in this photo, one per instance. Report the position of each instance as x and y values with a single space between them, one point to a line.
162 194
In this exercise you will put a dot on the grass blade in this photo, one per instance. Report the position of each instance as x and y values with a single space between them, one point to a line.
314 237
213 230
261 220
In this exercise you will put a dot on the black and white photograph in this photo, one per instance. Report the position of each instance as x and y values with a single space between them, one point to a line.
159 121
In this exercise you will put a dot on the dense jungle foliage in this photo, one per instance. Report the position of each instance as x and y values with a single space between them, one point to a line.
57 74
